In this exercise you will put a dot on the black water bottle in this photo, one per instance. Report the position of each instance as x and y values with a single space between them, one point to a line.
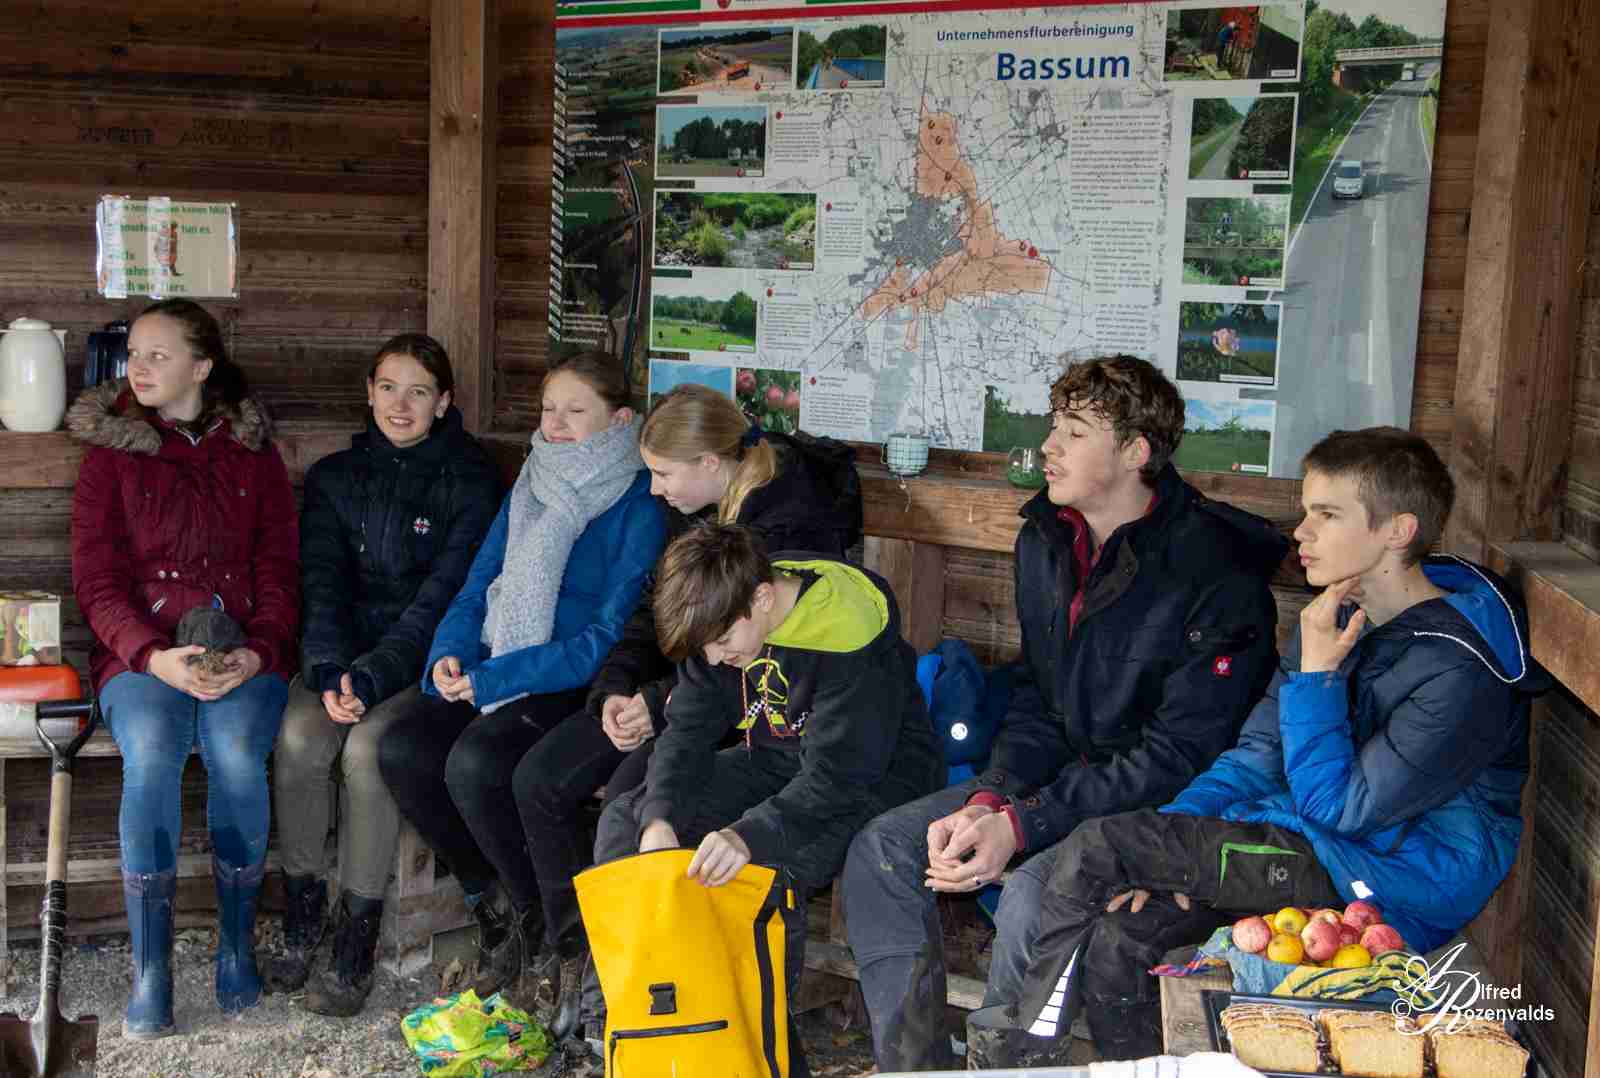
107 358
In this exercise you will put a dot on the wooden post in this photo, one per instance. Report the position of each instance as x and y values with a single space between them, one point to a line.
407 931
461 193
915 572
1530 206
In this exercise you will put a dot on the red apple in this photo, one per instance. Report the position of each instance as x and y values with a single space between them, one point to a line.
774 397
1349 935
1360 914
1252 934
1333 917
746 381
1320 939
791 401
1379 938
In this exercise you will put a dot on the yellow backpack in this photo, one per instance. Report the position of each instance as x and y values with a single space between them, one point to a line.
693 976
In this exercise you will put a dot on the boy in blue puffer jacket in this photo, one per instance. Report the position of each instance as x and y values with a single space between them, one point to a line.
1385 761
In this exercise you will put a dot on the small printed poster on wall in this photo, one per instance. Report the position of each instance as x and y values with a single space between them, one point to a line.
162 248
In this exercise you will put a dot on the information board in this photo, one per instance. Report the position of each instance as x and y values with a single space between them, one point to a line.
874 217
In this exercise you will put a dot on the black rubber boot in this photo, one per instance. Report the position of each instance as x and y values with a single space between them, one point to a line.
341 990
500 966
304 921
996 1041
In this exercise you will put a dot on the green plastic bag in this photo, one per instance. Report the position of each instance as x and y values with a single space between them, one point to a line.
462 1036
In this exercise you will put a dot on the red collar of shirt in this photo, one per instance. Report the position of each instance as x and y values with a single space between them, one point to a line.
1083 559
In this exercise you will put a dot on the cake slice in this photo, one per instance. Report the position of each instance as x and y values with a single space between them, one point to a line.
1271 1038
1476 1048
1373 1044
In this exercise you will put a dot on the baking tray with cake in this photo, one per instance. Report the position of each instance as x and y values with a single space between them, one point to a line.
1284 1037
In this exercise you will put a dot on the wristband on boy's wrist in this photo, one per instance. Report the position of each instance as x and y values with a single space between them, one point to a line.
995 802
1010 811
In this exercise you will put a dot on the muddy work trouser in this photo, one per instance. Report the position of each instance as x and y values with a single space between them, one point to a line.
1086 957
893 923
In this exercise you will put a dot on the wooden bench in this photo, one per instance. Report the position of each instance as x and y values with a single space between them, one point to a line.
416 905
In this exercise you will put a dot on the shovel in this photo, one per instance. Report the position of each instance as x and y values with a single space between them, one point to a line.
49 1046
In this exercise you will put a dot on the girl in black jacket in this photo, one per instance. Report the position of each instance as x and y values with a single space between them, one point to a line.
388 530
706 460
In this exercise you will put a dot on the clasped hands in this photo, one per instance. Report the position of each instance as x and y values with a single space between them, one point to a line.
626 721
968 848
451 682
343 706
972 846
718 859
172 666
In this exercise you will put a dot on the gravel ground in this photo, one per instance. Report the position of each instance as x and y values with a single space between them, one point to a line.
279 1039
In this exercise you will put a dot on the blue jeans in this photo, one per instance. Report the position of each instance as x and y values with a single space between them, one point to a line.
156 726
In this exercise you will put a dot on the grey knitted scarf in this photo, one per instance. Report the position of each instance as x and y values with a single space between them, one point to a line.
562 487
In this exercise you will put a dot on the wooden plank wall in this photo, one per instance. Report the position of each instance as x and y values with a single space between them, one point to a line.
312 114
1580 510
1564 901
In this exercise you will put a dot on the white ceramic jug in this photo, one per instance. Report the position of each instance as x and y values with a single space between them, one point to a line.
33 375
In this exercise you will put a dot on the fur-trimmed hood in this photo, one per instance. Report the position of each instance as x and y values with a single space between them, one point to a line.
109 415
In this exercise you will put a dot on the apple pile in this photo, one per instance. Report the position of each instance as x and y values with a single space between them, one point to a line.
1322 937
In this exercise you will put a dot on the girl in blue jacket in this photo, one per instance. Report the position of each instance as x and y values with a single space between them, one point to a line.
557 578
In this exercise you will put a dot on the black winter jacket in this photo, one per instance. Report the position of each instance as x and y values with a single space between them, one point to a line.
386 538
832 704
1174 643
812 504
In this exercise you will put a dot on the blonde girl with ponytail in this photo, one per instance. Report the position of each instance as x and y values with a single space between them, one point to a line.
701 449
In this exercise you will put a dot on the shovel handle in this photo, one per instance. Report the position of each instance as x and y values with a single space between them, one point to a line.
53 915
61 755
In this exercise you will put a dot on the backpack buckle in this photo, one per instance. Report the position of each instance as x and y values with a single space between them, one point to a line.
664 999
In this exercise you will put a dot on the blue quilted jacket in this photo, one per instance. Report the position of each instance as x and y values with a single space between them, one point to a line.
1404 768
603 582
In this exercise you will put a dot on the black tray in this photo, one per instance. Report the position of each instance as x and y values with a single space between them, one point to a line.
1216 1000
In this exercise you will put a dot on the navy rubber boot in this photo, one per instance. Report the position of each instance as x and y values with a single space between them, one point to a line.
149 898
238 980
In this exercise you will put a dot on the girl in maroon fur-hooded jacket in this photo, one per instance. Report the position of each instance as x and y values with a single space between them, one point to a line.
182 502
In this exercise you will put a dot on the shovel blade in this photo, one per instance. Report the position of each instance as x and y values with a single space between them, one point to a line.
52 1048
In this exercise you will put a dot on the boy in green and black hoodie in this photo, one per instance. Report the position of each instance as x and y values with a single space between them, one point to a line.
805 656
